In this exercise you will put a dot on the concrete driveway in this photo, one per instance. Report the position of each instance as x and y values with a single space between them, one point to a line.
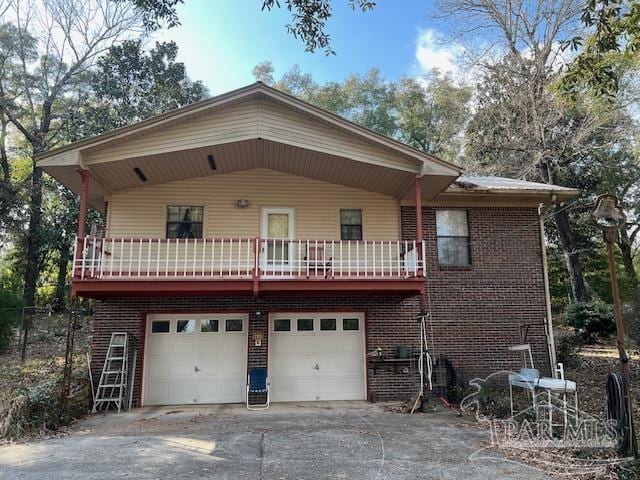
350 440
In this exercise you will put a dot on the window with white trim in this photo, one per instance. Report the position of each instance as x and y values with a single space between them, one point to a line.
452 228
184 222
350 224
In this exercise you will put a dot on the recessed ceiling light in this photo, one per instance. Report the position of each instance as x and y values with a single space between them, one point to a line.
140 175
212 162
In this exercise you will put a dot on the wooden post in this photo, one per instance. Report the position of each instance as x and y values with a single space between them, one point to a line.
617 310
419 234
84 201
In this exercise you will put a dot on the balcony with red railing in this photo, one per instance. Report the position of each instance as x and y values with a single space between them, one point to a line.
105 267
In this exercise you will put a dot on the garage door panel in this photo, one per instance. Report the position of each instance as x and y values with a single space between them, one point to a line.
160 346
341 365
328 345
209 368
195 366
350 342
233 367
234 343
184 345
183 392
207 347
162 370
338 355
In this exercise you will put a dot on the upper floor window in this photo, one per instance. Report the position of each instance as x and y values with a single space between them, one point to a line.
453 238
350 224
184 222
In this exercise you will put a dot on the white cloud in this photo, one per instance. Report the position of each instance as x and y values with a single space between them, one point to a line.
433 53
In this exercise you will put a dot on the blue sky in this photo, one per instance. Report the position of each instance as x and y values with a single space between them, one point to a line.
220 41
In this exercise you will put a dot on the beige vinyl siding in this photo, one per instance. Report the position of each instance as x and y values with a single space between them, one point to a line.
141 212
251 120
280 125
232 124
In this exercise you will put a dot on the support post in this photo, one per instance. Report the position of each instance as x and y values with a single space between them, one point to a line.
547 294
419 234
617 310
84 202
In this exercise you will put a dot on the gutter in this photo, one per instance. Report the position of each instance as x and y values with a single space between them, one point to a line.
551 344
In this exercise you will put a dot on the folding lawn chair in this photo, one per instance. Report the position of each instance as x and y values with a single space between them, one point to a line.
258 383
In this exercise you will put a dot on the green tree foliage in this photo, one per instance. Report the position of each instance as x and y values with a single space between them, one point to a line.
10 312
591 320
308 17
426 113
613 34
130 84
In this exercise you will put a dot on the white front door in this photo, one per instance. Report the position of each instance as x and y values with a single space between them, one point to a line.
316 356
195 358
278 231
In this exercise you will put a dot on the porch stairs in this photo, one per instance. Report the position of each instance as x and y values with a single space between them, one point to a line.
113 379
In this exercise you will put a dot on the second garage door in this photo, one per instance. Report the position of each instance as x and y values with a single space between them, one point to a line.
318 356
195 359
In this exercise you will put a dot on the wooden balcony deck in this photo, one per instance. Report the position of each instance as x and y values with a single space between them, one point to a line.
105 267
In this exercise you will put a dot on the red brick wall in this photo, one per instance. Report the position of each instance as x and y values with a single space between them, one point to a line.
477 312
390 321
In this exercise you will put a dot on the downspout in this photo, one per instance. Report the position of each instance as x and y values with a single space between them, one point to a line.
551 344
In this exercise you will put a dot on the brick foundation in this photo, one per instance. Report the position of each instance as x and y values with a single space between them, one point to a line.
477 312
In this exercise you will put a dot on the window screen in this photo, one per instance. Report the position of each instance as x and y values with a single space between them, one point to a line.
351 224
453 237
184 222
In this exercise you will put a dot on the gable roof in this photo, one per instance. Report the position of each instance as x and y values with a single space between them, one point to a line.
52 157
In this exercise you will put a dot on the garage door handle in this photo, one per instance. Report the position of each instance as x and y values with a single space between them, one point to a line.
196 369
316 367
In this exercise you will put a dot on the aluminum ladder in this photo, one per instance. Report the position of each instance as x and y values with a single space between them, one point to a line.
113 379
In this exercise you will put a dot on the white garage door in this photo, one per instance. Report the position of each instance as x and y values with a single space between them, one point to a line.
195 359
317 356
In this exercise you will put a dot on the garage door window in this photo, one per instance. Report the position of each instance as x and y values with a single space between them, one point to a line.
305 324
209 326
160 326
186 326
327 324
282 325
350 324
233 325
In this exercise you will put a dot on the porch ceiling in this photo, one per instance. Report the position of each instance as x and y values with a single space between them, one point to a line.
110 177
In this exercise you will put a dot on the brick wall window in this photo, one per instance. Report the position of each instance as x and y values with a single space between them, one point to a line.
184 222
350 224
452 228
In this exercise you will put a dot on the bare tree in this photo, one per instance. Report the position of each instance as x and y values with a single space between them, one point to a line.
536 136
50 47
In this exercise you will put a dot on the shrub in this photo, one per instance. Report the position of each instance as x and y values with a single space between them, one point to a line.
10 311
591 319
567 345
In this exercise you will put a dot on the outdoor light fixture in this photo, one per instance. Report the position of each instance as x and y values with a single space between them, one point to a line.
242 203
212 162
140 175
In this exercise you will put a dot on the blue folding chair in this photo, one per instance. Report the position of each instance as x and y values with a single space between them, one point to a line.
258 382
